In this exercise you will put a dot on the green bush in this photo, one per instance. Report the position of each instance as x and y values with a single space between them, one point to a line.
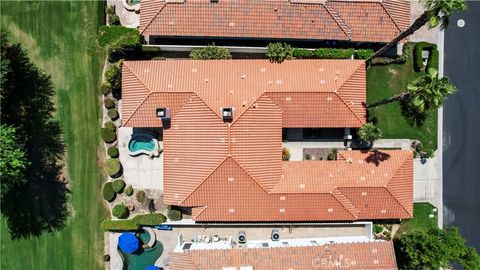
377 229
108 193
285 154
109 103
141 196
118 37
113 114
118 186
333 154
363 53
417 55
129 190
111 126
113 152
210 53
401 59
113 18
279 52
302 53
120 211
174 215
113 75
134 223
332 53
308 157
108 135
105 88
113 167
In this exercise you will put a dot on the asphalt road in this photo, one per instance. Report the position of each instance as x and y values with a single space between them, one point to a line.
461 126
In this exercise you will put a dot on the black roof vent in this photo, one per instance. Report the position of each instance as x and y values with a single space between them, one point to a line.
227 114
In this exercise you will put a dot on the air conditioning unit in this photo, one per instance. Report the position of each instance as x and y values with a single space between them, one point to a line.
164 115
242 237
275 235
227 114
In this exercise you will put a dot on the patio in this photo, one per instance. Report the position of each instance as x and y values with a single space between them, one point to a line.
142 172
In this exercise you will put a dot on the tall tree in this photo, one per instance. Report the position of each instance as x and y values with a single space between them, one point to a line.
423 94
13 161
437 13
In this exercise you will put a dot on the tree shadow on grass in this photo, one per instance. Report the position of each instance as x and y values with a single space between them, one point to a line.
41 204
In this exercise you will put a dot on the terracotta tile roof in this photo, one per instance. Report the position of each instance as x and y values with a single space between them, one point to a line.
356 256
371 21
319 85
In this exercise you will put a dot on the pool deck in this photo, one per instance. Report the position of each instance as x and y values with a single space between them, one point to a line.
140 171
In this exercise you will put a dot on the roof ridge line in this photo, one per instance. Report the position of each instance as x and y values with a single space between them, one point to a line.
341 23
154 16
399 203
390 16
341 98
249 175
137 76
394 174
212 109
138 108
335 189
254 101
350 109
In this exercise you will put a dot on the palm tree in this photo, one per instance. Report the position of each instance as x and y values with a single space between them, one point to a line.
437 12
425 93
369 133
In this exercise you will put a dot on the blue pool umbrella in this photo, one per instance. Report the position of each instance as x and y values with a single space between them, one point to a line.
128 242
152 267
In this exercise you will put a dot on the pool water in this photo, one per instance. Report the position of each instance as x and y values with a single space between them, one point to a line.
141 260
141 143
133 2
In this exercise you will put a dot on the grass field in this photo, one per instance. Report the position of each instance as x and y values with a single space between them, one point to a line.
421 220
386 81
60 38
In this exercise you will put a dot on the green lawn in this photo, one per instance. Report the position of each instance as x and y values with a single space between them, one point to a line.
60 38
389 80
421 220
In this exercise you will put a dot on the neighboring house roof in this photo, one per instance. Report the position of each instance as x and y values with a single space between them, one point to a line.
333 92
355 256
360 20
234 171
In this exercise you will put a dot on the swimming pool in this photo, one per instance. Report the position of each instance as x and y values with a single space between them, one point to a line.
142 143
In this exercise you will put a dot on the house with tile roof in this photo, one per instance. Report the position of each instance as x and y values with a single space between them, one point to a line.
243 21
222 140
360 256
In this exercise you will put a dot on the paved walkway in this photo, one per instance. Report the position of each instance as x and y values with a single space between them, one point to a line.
116 261
127 18
427 181
424 33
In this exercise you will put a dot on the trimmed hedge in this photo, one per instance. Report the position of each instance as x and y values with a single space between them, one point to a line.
210 53
432 61
363 53
113 114
401 59
118 186
128 190
174 215
279 52
134 223
120 211
113 167
105 88
111 126
109 103
113 152
108 135
117 37
332 53
108 193
113 75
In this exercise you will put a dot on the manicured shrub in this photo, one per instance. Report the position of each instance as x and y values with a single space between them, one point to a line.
118 37
109 103
302 53
113 167
332 155
433 59
111 126
363 53
120 211
134 223
105 88
141 196
332 53
108 193
174 215
210 53
279 52
108 135
417 55
308 157
113 114
113 75
118 186
113 18
377 228
113 152
129 190
285 154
